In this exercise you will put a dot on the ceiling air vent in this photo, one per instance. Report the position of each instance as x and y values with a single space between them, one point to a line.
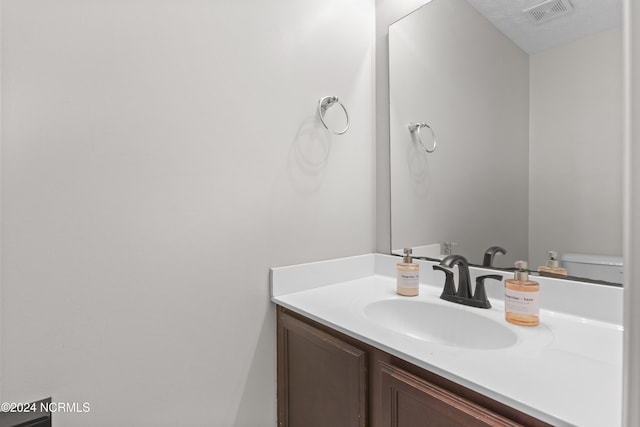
547 10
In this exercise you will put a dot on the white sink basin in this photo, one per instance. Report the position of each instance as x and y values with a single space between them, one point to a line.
441 324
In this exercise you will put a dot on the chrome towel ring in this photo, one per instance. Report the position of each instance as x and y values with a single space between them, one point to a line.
414 128
324 104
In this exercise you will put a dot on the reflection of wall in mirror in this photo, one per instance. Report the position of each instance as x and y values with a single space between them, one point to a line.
576 147
529 154
473 189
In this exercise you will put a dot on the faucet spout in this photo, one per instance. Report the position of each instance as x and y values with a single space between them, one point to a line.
464 284
490 254
462 295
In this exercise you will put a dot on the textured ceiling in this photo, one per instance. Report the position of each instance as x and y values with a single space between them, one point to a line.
588 17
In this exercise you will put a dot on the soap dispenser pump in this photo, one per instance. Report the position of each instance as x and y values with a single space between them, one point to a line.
521 298
552 267
407 283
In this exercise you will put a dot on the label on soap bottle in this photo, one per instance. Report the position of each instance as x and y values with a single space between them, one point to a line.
408 279
519 302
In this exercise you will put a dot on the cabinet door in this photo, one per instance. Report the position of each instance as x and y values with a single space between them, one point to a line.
409 401
321 379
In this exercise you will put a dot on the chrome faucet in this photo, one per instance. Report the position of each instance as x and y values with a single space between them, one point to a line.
462 293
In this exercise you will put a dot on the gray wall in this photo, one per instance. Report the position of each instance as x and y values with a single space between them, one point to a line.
157 158
576 148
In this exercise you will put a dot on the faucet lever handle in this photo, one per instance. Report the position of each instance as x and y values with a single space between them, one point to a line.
480 293
449 286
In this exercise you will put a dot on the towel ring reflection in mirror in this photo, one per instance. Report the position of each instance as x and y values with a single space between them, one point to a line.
414 128
324 104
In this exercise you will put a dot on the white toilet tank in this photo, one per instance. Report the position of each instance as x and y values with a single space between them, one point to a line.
591 266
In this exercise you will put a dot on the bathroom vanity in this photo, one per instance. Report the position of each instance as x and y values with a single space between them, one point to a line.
354 384
352 352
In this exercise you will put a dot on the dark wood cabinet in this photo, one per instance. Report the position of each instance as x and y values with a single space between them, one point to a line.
410 401
328 379
321 379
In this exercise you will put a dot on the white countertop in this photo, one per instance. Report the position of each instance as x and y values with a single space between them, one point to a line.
567 371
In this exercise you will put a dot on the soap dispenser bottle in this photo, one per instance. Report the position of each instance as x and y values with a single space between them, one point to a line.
407 278
521 298
552 267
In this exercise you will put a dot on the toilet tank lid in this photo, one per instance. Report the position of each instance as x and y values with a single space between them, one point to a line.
592 259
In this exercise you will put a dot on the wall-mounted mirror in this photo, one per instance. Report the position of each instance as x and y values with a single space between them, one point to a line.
526 107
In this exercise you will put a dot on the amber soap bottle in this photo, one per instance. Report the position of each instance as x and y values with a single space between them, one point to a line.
407 282
521 298
553 266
